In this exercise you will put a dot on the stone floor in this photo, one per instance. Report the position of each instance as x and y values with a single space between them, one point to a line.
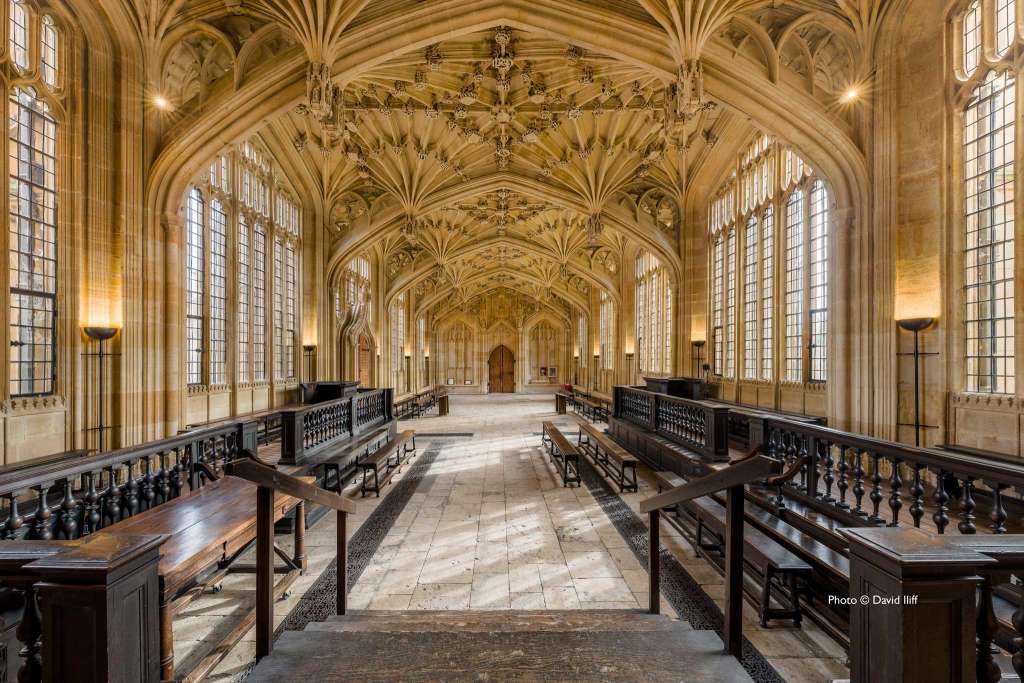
491 527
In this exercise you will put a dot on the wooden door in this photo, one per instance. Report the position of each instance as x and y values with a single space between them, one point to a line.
501 371
364 361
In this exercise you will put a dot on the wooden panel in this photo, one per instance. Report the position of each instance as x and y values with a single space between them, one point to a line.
501 371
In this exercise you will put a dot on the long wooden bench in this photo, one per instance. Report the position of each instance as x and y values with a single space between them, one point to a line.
777 567
380 463
209 530
609 456
563 454
343 461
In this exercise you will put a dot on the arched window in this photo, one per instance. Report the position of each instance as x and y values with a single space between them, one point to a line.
228 231
768 294
972 37
398 374
48 51
18 34
33 244
195 280
653 315
1006 17
607 329
989 235
793 369
750 291
743 261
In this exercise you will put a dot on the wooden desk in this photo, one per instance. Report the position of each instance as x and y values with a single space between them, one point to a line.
209 530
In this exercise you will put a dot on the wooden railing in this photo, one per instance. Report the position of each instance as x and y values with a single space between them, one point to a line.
698 425
68 499
732 480
414 406
308 429
866 481
269 480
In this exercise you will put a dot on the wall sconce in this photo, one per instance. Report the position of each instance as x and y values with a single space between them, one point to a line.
100 334
917 326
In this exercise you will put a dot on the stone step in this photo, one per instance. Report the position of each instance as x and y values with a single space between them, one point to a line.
553 621
566 657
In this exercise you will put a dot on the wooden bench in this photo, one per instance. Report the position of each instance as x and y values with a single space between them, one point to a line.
609 456
562 399
563 454
381 459
343 461
764 556
209 530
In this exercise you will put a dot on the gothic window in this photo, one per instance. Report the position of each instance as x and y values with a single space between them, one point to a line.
49 51
228 232
398 331
458 354
768 294
19 34
607 329
32 196
218 293
794 286
1006 15
750 290
654 315
743 264
989 235
972 37
195 280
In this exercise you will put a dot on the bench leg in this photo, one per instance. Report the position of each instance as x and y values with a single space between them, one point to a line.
166 640
766 596
299 556
794 599
363 489
376 481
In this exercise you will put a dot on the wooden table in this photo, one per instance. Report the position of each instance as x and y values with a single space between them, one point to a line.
209 530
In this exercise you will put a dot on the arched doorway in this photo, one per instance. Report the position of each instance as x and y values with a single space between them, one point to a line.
364 361
501 371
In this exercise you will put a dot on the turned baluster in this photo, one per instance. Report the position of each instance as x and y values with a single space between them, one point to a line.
41 527
827 463
69 512
966 524
1018 640
842 483
91 515
29 630
858 482
917 497
998 515
940 517
131 492
876 489
895 499
163 479
987 671
177 475
14 520
113 495
148 483
807 482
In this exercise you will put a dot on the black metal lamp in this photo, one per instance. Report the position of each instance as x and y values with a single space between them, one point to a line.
308 351
100 334
698 349
917 326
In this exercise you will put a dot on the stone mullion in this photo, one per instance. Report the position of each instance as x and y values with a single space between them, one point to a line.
231 297
805 313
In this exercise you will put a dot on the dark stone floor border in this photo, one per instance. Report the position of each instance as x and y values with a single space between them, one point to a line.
681 590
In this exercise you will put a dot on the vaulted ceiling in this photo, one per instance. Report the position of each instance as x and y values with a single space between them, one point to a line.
501 158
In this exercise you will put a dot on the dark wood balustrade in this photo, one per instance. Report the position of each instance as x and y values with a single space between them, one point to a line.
269 480
70 498
416 405
697 425
310 429
732 480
